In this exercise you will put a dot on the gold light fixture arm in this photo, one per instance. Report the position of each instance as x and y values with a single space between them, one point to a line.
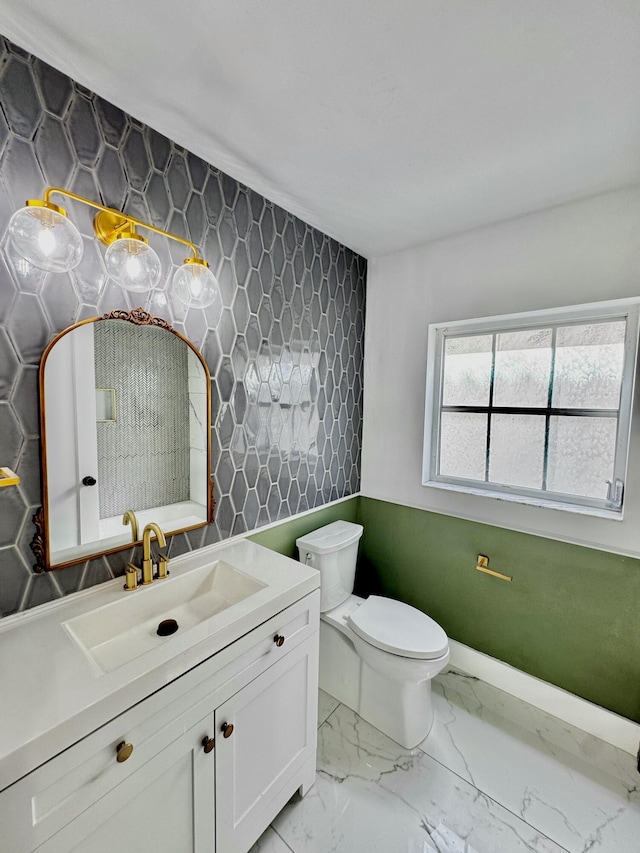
8 478
109 222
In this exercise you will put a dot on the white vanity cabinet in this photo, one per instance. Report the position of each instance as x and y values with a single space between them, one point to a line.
177 792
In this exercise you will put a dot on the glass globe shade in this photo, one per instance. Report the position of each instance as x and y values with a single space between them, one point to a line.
195 284
45 238
133 264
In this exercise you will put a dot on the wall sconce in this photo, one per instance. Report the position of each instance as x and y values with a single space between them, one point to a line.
44 236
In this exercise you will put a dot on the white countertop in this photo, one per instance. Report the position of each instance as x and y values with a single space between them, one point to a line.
51 696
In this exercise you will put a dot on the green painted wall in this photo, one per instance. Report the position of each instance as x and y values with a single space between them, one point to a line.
571 615
283 537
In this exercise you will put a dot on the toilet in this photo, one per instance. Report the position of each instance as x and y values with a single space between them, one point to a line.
377 655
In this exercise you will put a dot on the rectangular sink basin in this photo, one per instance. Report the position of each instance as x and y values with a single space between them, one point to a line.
123 630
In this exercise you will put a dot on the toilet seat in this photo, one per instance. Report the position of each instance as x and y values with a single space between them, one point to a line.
398 628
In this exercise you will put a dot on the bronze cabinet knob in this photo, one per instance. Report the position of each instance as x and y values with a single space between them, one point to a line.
226 729
208 744
123 751
278 640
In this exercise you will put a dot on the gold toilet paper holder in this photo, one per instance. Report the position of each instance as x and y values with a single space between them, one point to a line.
483 566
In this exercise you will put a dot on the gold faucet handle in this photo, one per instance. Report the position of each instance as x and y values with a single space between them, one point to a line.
131 577
163 571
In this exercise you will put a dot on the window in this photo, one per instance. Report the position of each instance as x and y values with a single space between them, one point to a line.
534 407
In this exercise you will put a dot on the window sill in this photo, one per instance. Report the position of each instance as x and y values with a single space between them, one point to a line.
610 514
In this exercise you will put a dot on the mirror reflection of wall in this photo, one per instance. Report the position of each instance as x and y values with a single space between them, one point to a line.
127 404
143 455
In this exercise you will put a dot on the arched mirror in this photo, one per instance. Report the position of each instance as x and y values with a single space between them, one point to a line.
125 425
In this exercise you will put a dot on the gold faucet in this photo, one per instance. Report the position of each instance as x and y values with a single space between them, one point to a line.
147 563
131 574
130 518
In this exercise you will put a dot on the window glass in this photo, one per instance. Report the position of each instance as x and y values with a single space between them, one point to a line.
588 366
463 445
467 371
517 450
523 368
581 455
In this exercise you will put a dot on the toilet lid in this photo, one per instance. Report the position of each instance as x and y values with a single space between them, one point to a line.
398 628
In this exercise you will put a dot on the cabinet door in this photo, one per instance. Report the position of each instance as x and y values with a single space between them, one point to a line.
167 806
271 750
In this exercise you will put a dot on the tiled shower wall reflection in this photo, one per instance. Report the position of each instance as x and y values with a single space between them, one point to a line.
283 342
144 453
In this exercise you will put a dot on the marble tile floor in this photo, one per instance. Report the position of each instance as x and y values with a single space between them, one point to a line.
495 775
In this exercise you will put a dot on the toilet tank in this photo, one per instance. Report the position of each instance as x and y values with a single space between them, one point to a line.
333 550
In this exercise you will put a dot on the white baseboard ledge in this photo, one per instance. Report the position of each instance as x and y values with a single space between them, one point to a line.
603 724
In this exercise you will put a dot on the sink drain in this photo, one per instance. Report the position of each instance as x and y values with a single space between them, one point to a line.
167 627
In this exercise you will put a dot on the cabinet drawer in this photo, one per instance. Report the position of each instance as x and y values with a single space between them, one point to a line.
166 806
43 802
271 641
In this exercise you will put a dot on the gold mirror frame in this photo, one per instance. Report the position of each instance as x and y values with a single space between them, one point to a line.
40 541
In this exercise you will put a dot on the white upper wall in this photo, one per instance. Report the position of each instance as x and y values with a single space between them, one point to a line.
586 251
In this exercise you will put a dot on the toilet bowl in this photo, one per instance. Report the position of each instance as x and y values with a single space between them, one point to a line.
377 655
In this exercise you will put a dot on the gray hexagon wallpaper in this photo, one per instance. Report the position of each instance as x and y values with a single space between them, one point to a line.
283 341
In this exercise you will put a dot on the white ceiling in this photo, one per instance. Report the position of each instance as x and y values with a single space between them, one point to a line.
385 124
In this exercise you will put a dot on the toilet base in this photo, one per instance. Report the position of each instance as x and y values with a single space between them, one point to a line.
400 709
